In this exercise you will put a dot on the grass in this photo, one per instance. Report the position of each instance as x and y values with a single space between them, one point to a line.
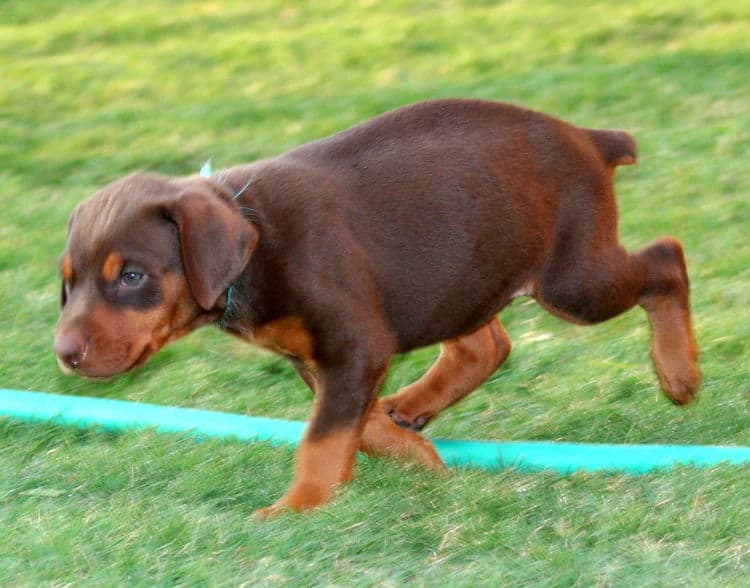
93 90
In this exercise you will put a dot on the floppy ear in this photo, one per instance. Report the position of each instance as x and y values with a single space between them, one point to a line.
215 242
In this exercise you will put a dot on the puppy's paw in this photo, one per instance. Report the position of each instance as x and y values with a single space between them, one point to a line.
681 387
302 496
381 436
400 413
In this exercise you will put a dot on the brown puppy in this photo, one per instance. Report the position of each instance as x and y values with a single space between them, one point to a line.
416 227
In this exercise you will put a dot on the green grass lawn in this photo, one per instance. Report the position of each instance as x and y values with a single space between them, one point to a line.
93 90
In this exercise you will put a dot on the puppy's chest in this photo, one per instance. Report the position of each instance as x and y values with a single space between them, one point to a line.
286 335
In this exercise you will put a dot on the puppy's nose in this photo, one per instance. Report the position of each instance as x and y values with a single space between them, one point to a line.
70 349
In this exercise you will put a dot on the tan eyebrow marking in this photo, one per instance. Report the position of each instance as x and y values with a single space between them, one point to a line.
67 268
112 266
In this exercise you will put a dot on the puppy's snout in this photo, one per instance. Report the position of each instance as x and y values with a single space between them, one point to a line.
70 348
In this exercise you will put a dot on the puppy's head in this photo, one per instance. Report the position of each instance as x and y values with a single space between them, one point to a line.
147 260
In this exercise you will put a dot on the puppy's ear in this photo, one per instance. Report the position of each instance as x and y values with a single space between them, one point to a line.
216 242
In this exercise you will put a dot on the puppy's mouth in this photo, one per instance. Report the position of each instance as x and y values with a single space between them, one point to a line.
148 350
145 355
90 372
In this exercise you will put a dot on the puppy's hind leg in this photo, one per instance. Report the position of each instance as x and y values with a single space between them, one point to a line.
593 287
464 363
666 301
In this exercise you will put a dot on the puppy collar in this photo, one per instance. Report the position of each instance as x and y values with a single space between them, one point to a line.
229 309
206 169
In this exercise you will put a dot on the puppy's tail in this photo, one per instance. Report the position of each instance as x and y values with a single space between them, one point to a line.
616 147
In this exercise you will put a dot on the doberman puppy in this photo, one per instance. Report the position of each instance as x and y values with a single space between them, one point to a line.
413 228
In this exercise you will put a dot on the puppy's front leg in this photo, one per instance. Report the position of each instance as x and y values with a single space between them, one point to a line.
381 436
325 458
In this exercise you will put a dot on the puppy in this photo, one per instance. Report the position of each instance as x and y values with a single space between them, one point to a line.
413 228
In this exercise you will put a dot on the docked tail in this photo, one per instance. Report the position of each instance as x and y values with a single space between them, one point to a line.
616 147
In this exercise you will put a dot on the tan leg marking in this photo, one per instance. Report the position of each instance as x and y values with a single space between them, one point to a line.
464 363
321 465
383 437
674 349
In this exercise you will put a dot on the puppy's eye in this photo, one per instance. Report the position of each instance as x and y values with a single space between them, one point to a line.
131 279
